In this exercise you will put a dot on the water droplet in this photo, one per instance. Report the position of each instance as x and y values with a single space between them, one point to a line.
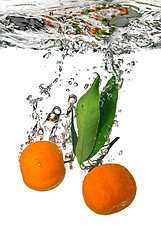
109 96
51 13
69 110
94 67
34 105
72 99
45 90
54 114
120 62
21 147
46 56
132 63
75 84
29 98
86 86
35 116
56 110
40 131
35 128
60 68
39 165
55 81
64 145
70 82
58 62
116 123
30 140
121 152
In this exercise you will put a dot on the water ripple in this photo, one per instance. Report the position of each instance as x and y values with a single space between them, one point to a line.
42 25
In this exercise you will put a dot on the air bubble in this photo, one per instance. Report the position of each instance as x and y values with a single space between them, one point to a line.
60 68
55 81
72 99
115 123
70 82
35 116
86 86
29 98
51 13
75 84
121 152
40 131
56 110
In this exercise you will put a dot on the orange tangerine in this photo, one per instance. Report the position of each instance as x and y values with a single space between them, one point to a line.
108 189
42 165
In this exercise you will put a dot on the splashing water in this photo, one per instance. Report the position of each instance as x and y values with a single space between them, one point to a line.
108 29
75 26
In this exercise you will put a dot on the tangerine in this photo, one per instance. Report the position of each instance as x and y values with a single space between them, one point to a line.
108 189
42 165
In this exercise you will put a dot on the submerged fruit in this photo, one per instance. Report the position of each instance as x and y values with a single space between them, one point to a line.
42 165
108 189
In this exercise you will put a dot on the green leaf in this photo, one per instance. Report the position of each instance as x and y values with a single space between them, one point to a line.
108 102
87 117
74 134
77 28
112 29
105 22
101 31
88 10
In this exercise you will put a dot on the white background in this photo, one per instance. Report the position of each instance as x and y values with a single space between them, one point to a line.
61 213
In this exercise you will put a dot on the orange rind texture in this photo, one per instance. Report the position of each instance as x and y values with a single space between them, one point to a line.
42 165
108 189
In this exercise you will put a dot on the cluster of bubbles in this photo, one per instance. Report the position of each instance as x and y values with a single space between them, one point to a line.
54 126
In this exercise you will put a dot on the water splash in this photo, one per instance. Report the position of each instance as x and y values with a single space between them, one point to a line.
76 26
110 28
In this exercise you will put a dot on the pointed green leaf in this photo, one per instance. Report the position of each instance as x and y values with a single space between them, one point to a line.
108 102
87 117
74 134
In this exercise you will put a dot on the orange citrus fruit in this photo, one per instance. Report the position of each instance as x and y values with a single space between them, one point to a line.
108 189
42 165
